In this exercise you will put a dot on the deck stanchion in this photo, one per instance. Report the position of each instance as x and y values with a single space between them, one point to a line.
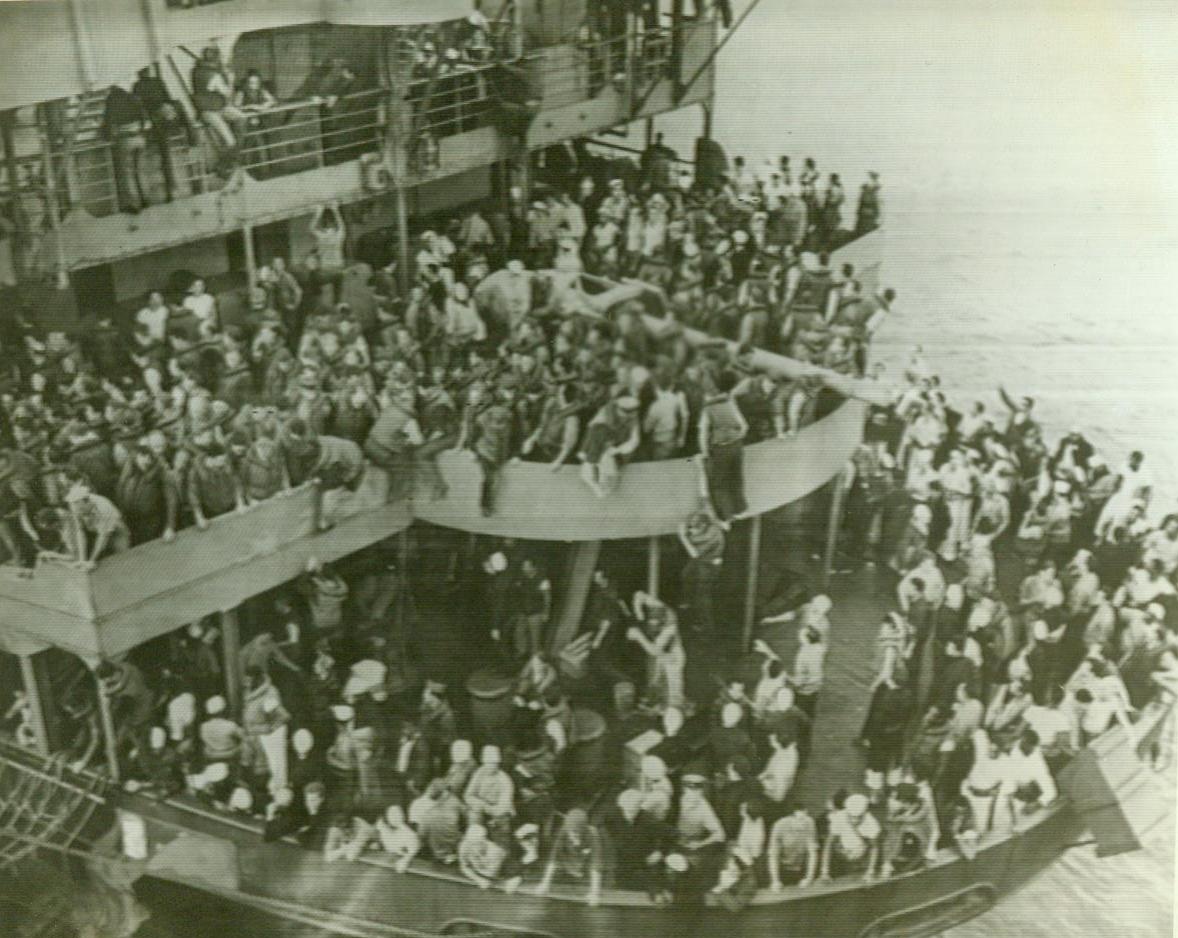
251 262
109 736
833 523
652 567
36 703
404 273
750 595
231 650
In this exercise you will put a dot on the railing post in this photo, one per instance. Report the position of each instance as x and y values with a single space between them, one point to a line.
231 652
109 735
28 673
251 262
404 274
833 523
652 566
750 592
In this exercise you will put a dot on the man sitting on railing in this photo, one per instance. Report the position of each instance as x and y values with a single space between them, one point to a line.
213 95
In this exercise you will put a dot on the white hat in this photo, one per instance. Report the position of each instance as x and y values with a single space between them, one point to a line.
723 246
342 712
630 800
528 830
783 699
1061 487
241 799
394 815
856 805
497 562
215 705
461 750
1039 631
302 740
654 767
215 772
77 491
690 249
491 755
157 737
677 862
366 675
730 714
740 236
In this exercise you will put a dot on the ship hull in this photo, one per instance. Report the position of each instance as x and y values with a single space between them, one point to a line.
240 866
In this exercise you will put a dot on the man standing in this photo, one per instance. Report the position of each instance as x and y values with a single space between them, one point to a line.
722 429
148 497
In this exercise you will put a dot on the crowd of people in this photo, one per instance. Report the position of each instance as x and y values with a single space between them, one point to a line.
988 677
116 443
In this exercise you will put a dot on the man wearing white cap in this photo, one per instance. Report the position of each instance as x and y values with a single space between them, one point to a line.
957 482
397 838
613 434
1162 546
265 723
220 737
655 788
852 843
616 205
490 795
100 517
697 824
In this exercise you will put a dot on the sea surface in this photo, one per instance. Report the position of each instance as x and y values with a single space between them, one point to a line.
1027 150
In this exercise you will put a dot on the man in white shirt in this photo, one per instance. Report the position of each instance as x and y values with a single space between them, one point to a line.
853 839
665 423
201 304
154 316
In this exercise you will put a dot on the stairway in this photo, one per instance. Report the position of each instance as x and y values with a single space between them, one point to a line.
89 167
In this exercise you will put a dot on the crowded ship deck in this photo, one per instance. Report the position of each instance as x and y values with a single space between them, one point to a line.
554 564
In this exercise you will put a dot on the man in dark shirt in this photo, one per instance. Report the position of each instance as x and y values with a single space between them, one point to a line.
122 125
168 121
637 841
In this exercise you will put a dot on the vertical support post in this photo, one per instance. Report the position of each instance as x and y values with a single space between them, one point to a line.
61 269
677 86
251 262
652 567
7 136
750 593
231 652
401 608
404 274
28 675
109 735
833 523
649 132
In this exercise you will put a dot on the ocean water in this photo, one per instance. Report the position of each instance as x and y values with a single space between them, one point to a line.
1031 195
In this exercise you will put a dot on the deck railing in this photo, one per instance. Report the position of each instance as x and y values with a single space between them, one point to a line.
302 135
454 103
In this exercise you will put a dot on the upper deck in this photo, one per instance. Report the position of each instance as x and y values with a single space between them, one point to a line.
154 588
392 132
